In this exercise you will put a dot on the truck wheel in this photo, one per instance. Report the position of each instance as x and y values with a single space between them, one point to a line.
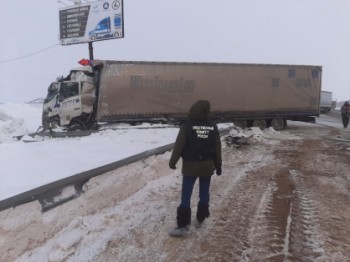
55 122
261 123
277 123
240 123
50 122
76 124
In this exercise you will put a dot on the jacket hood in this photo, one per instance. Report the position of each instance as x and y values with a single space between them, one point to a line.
346 103
199 110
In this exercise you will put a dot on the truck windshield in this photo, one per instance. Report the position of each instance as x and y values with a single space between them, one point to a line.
82 76
52 91
69 89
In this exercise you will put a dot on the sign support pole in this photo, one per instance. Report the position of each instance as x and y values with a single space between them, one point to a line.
91 51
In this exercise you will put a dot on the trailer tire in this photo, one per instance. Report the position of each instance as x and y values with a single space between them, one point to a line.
277 123
240 123
261 123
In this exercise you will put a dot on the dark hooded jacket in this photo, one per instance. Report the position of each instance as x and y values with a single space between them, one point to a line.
345 109
198 143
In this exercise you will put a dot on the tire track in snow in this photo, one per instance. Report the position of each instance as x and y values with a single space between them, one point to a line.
260 231
279 213
321 217
306 237
237 223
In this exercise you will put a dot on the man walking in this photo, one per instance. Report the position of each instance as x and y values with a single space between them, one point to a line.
345 113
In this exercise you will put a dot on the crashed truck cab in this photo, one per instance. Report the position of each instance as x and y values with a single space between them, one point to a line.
70 100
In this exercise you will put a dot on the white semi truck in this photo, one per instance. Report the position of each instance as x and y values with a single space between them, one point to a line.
326 104
125 91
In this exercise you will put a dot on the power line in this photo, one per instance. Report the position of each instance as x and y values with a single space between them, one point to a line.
30 54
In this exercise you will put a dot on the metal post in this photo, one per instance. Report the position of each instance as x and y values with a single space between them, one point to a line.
91 51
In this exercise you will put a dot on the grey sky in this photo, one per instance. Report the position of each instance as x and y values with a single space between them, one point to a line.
308 32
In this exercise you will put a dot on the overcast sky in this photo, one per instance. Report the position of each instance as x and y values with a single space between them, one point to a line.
305 32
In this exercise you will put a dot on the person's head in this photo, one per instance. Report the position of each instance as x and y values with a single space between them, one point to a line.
199 110
346 103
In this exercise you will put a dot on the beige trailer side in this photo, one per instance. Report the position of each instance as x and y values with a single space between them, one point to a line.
156 89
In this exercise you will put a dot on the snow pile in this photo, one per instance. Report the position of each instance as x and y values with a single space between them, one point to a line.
239 136
135 197
9 126
18 119
253 135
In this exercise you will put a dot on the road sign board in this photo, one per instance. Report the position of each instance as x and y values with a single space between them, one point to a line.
94 21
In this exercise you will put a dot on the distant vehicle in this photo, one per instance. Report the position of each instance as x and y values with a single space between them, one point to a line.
334 104
326 104
125 91
104 30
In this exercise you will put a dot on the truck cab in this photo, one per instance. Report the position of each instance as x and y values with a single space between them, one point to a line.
70 100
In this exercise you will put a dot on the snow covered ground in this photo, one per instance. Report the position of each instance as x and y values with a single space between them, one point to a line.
120 211
24 166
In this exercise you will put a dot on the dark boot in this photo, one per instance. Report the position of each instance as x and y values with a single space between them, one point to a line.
202 212
183 222
183 217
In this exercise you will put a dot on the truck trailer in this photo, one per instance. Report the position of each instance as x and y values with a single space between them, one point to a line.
259 95
326 104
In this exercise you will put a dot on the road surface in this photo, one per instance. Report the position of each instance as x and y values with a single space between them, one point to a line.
284 197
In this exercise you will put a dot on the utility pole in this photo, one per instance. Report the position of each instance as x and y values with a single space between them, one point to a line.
91 51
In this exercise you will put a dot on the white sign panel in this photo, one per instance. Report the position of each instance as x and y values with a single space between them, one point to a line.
94 21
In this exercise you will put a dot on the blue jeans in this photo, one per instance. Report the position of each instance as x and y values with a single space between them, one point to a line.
187 188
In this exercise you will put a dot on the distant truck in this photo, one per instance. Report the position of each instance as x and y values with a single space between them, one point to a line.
259 95
326 104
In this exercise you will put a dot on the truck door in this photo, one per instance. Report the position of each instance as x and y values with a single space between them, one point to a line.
70 101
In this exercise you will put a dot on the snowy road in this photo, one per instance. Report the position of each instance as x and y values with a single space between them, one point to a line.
283 198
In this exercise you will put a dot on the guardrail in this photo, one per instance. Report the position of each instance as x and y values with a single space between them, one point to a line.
55 193
51 195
